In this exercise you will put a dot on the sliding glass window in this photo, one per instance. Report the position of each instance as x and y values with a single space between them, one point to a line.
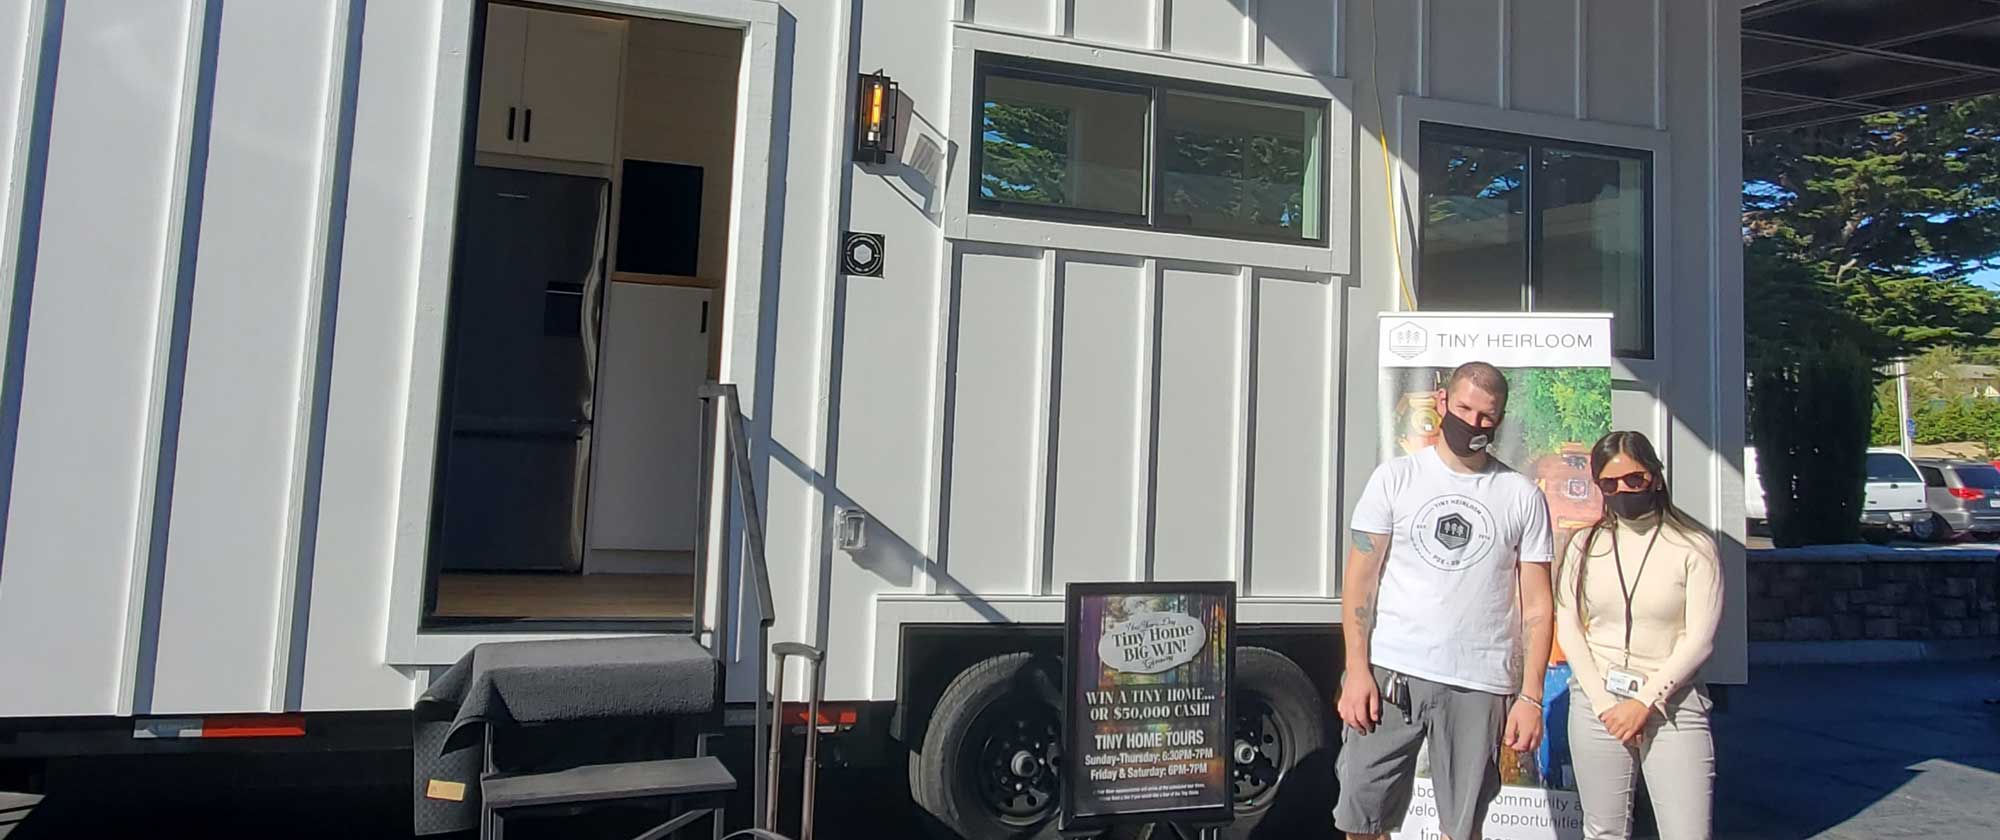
1526 224
1052 145
1076 144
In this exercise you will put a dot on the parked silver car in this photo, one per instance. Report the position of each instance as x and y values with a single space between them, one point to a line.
1964 497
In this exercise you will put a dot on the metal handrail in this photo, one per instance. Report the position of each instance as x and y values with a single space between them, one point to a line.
735 445
746 494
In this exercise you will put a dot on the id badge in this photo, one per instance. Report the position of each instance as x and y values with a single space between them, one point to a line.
1623 683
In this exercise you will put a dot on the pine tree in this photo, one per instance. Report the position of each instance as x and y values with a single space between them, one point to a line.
1873 226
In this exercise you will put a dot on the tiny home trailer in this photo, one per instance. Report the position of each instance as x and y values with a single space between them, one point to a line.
343 336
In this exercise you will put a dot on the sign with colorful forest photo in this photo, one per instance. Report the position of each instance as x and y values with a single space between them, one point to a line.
1558 369
1147 703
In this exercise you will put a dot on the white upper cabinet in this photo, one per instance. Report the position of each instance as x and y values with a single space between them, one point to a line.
500 79
550 84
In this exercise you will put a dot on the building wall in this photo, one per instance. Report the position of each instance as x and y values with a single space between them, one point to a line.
210 241
84 459
1112 408
227 228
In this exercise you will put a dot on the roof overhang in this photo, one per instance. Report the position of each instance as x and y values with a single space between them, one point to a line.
1808 62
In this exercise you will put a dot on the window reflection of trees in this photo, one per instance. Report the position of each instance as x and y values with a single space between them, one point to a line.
1027 154
1242 180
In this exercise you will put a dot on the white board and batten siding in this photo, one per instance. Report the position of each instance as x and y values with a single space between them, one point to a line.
1656 75
227 237
221 258
172 249
1117 405
202 475
1106 405
1102 419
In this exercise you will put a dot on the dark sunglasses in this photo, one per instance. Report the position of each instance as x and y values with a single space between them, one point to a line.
1630 481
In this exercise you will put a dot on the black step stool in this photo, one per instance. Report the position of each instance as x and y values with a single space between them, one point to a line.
701 785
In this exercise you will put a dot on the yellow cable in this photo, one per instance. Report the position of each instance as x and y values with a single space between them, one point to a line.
1395 229
1388 167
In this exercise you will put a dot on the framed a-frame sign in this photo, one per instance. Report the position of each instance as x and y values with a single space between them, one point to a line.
1147 704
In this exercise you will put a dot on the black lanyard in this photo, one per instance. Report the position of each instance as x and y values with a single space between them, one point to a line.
1628 592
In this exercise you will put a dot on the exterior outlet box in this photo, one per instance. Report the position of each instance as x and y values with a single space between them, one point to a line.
850 529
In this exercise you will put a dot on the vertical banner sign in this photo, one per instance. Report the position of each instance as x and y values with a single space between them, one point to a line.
1558 369
1147 703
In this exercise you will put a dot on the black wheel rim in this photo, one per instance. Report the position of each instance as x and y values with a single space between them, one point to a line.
1010 760
1259 754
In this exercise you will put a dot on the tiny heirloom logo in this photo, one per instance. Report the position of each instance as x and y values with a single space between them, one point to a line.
1408 340
1454 532
862 254
1459 535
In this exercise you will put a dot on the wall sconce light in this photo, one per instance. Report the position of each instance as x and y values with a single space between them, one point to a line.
875 123
850 529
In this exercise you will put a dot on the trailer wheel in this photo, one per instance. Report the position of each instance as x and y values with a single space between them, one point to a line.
989 765
1283 771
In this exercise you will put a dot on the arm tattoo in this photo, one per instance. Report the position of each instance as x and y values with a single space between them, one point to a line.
1364 541
1364 575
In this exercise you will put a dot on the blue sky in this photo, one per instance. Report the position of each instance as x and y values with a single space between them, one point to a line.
1989 278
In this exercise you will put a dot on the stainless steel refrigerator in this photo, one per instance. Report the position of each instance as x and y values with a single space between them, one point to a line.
515 439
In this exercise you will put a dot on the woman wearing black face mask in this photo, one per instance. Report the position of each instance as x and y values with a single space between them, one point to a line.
1638 598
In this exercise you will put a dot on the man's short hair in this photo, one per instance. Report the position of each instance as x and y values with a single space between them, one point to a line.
1483 376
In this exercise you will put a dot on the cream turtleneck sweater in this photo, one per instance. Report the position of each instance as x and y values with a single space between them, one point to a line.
1676 605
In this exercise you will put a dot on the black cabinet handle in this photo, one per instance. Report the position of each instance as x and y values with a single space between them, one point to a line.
528 127
704 317
510 122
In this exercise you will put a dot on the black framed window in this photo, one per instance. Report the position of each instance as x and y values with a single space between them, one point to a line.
1053 144
1078 144
1525 224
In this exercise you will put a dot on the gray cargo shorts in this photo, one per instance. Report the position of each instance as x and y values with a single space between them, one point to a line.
1378 771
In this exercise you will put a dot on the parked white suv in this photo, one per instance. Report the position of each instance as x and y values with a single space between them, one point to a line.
1895 495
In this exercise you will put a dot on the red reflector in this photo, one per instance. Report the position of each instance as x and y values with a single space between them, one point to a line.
1968 493
254 726
830 714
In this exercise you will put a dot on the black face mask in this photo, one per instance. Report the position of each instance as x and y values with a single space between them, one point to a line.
1464 440
1633 505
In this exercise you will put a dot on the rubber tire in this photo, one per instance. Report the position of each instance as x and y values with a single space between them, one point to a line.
934 772
1929 530
1305 790
1303 802
1941 531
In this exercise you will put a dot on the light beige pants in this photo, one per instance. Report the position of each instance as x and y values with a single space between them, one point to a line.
1677 757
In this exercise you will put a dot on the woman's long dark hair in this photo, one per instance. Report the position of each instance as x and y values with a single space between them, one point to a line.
1638 447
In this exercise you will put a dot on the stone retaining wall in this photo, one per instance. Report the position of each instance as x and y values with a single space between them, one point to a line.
1861 592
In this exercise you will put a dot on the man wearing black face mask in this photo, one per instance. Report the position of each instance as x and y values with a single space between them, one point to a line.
1449 565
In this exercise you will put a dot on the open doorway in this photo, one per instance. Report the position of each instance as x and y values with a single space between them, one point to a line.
585 310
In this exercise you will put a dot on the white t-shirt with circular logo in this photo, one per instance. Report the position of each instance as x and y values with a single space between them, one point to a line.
1449 606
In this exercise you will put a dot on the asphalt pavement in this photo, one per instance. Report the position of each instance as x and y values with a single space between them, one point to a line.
1845 752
